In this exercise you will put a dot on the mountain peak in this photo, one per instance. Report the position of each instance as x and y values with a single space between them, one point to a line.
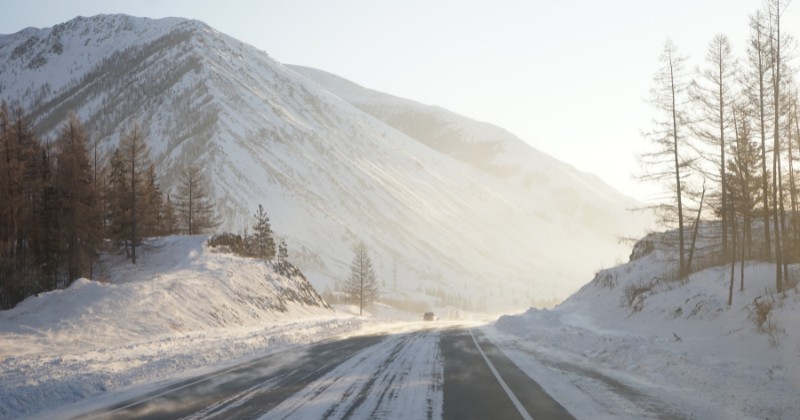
451 214
55 58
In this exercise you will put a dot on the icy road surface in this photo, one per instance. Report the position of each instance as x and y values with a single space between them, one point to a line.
421 372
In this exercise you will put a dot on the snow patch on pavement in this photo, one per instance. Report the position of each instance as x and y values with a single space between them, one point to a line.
407 383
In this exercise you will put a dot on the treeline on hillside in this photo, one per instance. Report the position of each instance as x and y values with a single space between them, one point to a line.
725 143
61 201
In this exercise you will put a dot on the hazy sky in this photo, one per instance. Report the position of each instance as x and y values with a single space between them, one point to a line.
568 77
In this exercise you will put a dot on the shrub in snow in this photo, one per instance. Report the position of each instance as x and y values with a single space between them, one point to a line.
605 279
228 242
642 248
760 313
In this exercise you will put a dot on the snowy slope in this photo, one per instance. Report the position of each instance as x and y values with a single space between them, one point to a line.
552 187
672 349
328 173
200 288
184 307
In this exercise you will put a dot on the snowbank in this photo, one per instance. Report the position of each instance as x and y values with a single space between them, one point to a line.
183 308
677 348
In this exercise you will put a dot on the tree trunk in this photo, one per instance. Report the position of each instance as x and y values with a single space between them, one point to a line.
776 63
733 260
741 267
724 185
133 203
682 264
696 229
763 128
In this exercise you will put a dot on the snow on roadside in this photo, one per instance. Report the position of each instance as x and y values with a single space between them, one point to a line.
683 353
184 309
38 384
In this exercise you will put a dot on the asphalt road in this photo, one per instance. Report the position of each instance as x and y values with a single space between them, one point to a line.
480 382
418 374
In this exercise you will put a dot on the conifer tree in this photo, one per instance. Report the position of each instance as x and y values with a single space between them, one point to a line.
757 93
152 216
361 286
777 67
25 170
263 244
744 178
668 162
135 157
53 232
169 219
193 202
78 212
6 208
283 251
713 96
118 199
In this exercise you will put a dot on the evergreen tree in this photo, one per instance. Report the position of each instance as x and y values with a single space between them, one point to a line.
744 178
283 251
744 190
263 244
361 286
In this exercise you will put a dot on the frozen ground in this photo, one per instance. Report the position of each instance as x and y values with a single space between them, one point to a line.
670 350
184 310
683 353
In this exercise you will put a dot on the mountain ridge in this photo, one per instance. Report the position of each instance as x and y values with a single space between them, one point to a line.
495 159
328 173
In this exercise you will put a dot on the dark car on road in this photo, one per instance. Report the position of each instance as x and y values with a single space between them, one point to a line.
428 316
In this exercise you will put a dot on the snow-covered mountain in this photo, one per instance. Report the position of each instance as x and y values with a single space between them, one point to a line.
444 203
490 149
552 188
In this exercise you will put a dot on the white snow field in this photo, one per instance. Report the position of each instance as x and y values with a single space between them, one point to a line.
683 353
182 311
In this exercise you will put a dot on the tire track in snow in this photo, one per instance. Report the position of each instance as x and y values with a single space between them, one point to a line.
400 377
318 361
243 391
617 397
